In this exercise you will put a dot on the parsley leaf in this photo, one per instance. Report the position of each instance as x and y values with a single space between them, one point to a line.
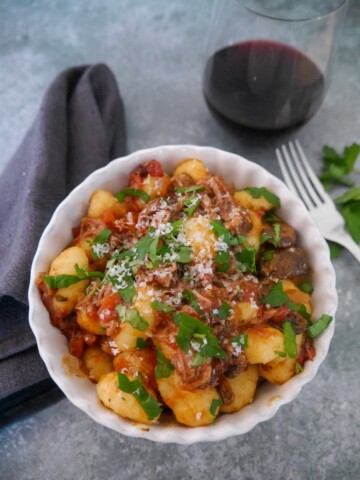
349 207
102 237
257 192
241 340
223 232
127 293
290 340
191 203
277 234
267 255
247 260
338 166
152 251
140 343
319 326
270 217
264 237
298 367
193 330
215 404
222 258
132 192
99 240
164 367
276 296
132 316
162 307
224 311
192 188
352 194
198 359
82 273
306 287
190 299
183 254
176 226
63 281
151 407
142 247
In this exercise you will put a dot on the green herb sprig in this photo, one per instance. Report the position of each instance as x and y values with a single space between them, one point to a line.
151 407
63 281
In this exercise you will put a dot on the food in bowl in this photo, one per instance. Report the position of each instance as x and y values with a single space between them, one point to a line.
185 293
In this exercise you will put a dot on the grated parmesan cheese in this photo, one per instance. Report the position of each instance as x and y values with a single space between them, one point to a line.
113 347
100 249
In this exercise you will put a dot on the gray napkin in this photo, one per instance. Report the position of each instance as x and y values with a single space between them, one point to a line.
79 128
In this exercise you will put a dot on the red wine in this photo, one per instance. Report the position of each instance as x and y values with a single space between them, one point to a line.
263 84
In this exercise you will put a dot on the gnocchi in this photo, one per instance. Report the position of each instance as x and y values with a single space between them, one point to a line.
166 298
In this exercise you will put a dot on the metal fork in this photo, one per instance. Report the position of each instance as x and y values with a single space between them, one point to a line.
302 180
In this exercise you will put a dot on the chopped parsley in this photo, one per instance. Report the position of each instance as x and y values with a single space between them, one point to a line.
222 258
99 245
290 340
247 260
102 237
257 192
338 166
191 203
267 255
120 276
132 316
162 307
315 329
148 403
306 287
63 281
190 299
192 188
164 367
276 297
270 217
241 340
132 192
141 343
277 234
350 210
223 232
224 311
264 237
298 367
215 404
195 333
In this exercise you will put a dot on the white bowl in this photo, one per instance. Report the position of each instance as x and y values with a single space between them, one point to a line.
242 173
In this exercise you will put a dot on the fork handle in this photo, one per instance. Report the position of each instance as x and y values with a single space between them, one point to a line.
347 242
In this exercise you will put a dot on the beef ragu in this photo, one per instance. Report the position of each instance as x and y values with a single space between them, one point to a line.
180 292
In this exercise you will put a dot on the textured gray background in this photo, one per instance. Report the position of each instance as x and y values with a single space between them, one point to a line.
156 49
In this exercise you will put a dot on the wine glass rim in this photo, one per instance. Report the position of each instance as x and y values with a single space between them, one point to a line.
294 20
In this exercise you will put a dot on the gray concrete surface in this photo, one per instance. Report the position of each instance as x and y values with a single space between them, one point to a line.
156 49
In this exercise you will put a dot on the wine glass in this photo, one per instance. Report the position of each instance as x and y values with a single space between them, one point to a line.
269 63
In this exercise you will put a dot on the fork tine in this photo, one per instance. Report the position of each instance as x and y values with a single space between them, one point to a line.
315 181
285 173
292 178
302 171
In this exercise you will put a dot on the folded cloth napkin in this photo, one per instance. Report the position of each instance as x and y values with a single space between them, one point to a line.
79 128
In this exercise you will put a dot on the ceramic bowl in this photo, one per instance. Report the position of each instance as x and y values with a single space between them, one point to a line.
240 172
